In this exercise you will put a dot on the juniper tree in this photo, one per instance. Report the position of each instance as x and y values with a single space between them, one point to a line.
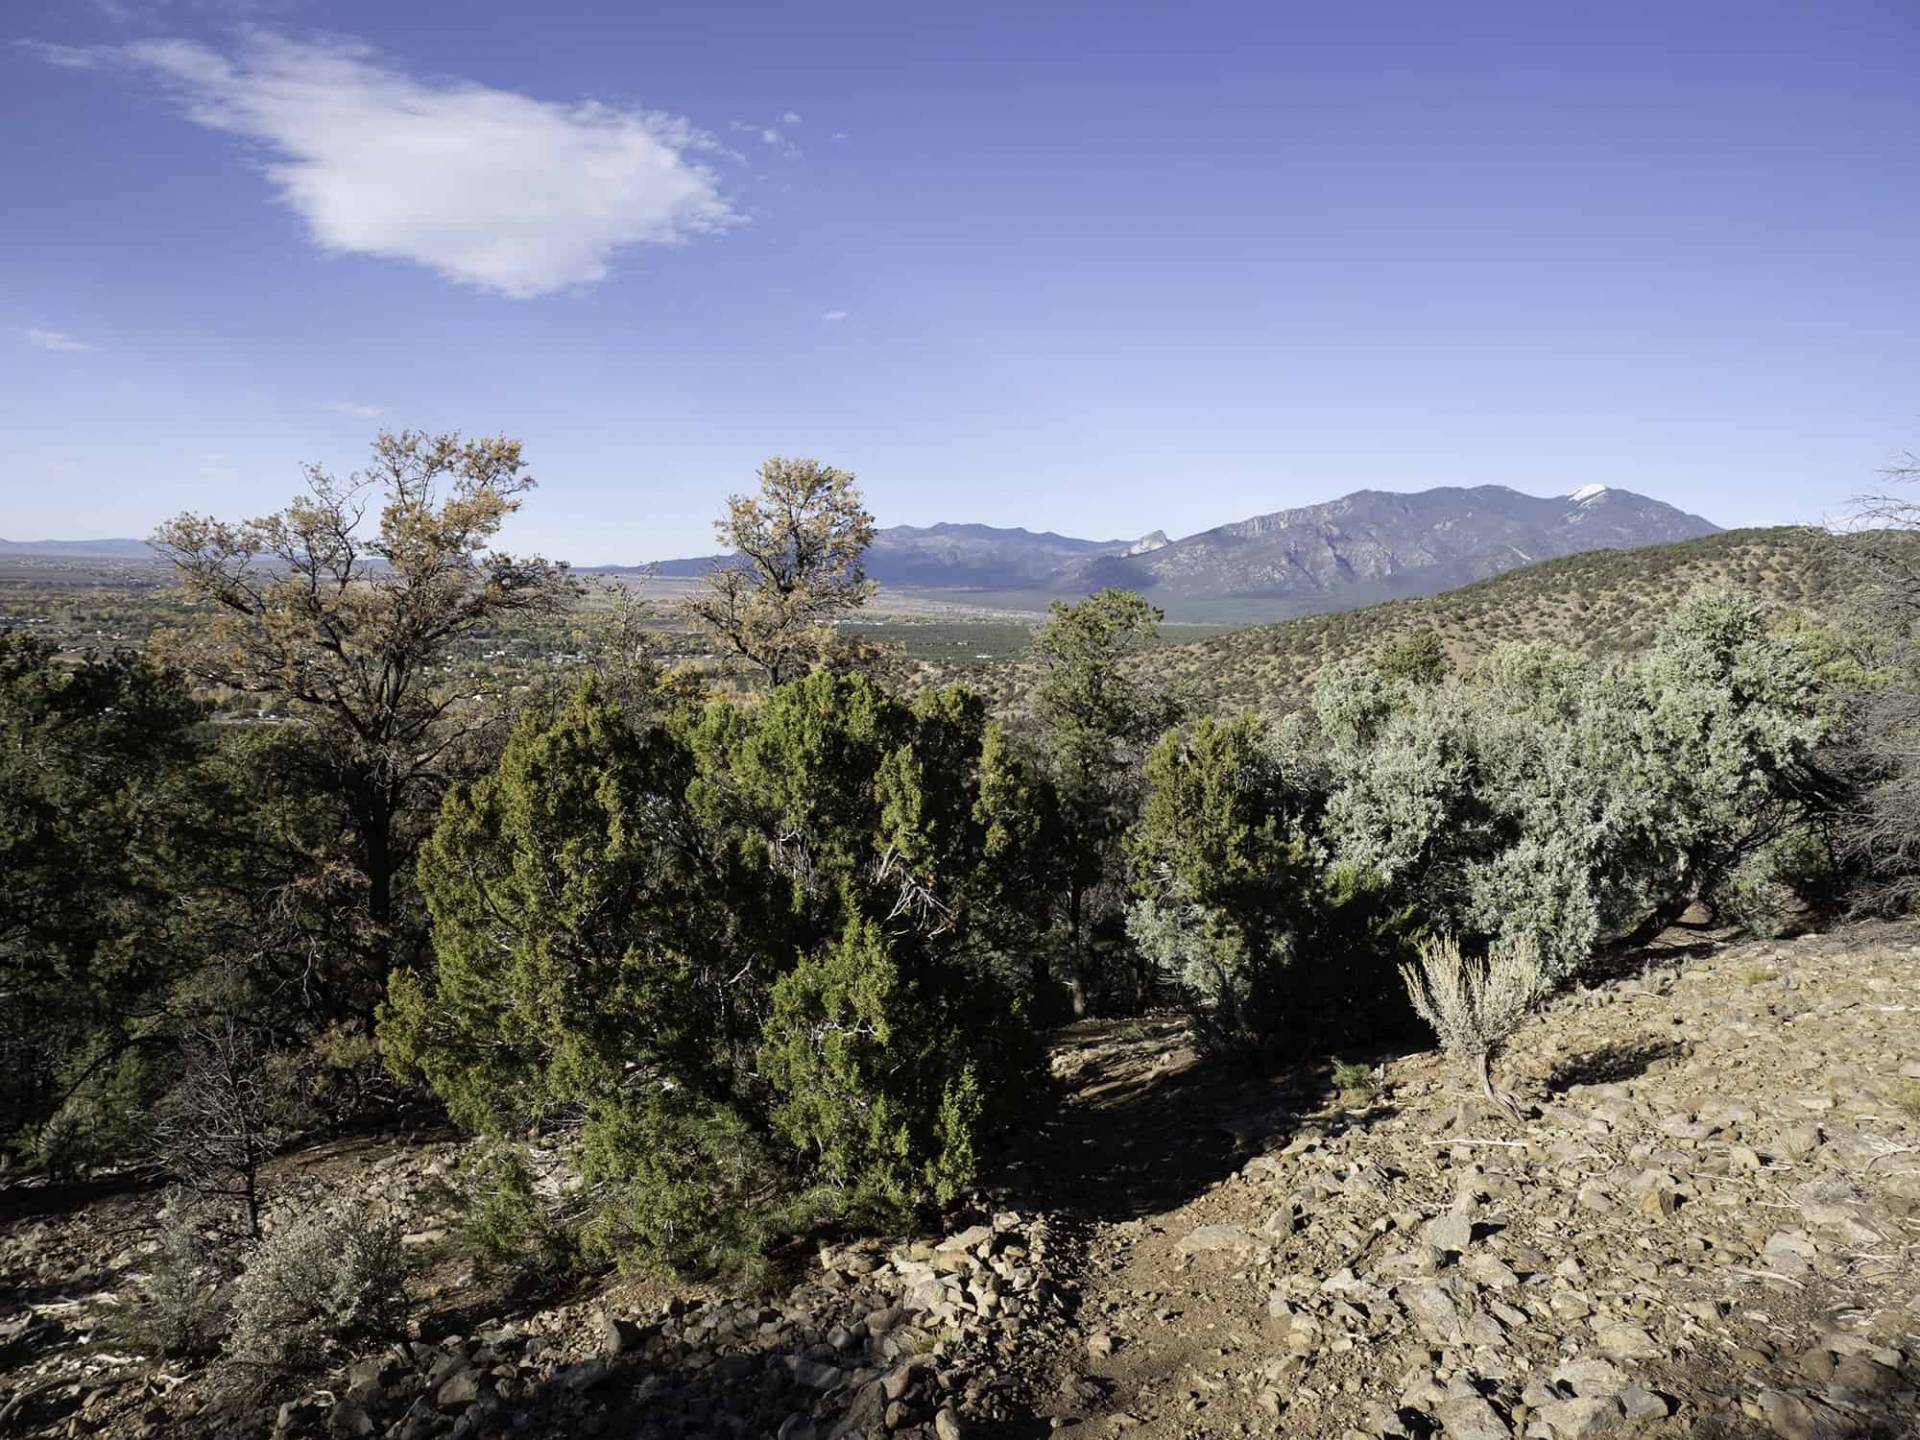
760 958
1237 902
102 828
1099 714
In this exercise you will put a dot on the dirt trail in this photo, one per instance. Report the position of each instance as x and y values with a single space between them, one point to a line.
1710 1226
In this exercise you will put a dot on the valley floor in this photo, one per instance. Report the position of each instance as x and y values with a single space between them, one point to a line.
1709 1226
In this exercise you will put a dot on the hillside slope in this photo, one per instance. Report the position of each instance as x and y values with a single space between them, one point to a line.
1375 544
1708 1226
1600 602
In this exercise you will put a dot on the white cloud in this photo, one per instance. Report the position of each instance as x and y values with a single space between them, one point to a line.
792 117
839 135
833 315
487 187
358 412
54 340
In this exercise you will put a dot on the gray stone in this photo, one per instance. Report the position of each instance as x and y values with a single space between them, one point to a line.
946 1425
1468 1417
865 1416
1220 1239
1433 1311
1791 1417
458 1391
349 1420
617 1336
1641 1404
1450 1234
1627 1342
1583 1417
1789 1252
1590 1377
899 1380
814 1375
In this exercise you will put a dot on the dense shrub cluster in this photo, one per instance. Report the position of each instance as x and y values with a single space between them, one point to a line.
762 959
1545 800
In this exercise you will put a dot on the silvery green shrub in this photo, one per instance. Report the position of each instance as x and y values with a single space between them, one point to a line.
320 1283
1569 799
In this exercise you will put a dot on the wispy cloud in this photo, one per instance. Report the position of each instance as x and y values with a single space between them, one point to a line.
769 135
792 117
357 411
67 57
833 315
486 187
53 340
128 12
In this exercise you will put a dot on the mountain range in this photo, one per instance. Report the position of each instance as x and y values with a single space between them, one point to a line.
1368 546
116 549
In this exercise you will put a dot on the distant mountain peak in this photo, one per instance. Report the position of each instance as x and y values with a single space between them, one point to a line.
1365 546
1380 544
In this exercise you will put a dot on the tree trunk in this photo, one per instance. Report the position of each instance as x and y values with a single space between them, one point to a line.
373 817
1077 960
1483 1068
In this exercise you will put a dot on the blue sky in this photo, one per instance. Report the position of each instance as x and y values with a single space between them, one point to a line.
1097 268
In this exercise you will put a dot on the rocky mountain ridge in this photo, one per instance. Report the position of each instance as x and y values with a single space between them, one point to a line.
1364 547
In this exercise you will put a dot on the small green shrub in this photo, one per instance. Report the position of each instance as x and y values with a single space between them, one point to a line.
1906 1098
687 1186
181 1302
1356 1083
106 1120
1238 907
501 1219
317 1286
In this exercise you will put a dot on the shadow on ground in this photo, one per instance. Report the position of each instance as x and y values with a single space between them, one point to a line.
1611 1064
1140 1123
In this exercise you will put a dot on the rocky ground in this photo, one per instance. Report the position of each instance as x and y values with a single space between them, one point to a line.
1708 1225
